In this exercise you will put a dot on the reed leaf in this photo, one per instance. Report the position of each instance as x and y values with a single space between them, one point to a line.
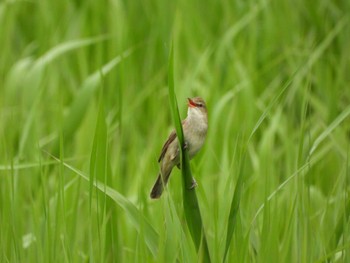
190 200
134 215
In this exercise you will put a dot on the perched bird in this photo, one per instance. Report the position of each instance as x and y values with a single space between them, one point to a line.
195 128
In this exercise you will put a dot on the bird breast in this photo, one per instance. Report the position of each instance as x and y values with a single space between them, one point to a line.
195 133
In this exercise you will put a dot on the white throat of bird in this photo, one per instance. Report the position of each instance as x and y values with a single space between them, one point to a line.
197 118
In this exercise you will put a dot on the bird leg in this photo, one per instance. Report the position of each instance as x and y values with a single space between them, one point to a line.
194 184
185 147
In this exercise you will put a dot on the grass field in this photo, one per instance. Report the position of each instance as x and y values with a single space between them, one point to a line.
84 111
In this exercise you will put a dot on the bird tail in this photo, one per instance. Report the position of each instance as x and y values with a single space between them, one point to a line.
159 185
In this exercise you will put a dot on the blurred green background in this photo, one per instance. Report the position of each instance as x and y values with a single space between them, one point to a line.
84 98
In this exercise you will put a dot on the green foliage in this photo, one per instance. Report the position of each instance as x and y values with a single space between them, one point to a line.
190 201
84 112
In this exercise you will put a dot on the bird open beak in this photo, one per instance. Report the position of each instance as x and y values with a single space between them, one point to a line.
191 103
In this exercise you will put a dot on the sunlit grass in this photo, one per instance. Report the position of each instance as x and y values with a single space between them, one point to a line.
84 111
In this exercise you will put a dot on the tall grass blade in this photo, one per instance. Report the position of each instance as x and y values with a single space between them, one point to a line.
98 160
81 102
238 189
64 48
34 71
190 201
100 169
234 207
273 103
135 216
329 130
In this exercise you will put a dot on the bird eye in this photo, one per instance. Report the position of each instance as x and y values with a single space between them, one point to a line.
200 105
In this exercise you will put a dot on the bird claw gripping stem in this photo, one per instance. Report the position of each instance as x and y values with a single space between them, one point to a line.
194 184
185 147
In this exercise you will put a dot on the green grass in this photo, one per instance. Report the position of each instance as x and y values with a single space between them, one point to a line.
190 200
84 111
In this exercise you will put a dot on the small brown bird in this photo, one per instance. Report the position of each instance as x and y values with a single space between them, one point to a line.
195 128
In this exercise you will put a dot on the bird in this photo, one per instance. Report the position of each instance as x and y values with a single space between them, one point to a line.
195 128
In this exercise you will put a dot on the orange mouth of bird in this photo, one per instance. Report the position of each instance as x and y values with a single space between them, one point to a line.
191 103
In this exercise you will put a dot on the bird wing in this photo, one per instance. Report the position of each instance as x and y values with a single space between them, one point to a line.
170 139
